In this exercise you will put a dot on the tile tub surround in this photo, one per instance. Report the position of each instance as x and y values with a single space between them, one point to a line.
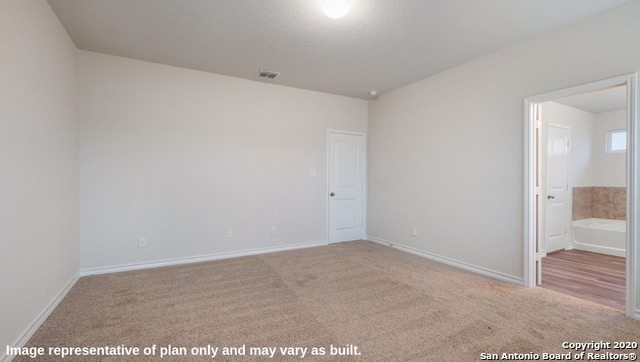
599 202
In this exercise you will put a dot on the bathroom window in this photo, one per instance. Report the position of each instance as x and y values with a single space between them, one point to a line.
616 141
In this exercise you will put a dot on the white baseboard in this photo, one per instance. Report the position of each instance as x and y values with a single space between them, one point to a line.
197 259
601 249
455 263
37 322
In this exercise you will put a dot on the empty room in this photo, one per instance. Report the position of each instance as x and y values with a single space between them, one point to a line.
246 180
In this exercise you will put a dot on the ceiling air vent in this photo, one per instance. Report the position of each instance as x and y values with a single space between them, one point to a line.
267 74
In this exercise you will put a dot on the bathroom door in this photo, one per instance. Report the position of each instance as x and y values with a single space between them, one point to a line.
557 188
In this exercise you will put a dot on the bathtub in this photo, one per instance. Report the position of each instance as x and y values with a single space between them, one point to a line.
601 236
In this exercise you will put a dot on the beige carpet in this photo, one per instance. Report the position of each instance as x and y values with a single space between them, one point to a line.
391 305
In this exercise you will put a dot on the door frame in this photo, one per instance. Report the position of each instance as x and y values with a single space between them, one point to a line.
531 189
364 179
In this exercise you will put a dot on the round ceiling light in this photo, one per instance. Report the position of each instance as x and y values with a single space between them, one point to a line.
335 8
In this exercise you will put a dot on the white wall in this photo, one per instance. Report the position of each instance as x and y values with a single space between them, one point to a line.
591 165
609 168
38 165
446 153
180 156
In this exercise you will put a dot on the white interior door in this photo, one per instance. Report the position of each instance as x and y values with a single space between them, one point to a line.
346 187
557 189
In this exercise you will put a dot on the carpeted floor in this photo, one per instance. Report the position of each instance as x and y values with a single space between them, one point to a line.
372 301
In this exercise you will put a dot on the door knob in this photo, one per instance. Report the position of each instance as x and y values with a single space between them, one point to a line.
550 197
332 194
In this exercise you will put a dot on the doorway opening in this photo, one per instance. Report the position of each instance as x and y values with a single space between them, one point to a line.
559 173
583 209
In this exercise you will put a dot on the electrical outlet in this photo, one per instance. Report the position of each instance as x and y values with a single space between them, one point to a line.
414 231
274 231
142 242
229 234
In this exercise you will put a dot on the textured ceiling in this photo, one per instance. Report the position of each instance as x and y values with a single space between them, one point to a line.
379 45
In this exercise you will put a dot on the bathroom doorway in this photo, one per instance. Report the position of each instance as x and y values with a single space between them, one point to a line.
584 113
583 176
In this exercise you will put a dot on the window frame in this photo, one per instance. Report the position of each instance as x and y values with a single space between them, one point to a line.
609 143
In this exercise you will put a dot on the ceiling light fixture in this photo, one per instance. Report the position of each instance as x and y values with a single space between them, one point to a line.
335 8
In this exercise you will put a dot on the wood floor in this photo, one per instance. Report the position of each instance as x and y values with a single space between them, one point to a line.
596 277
